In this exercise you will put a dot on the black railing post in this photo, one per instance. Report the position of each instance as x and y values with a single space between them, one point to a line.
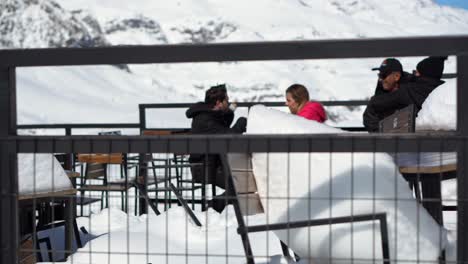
462 164
142 115
8 171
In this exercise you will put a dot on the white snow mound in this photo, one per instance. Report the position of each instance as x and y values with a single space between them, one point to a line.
439 110
40 173
310 179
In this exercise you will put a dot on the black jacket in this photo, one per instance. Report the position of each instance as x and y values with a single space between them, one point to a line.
208 121
412 91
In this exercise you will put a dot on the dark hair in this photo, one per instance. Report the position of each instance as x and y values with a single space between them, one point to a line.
299 93
215 93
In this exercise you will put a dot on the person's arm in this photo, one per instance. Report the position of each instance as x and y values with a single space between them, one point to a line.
371 119
216 127
240 126
228 117
391 101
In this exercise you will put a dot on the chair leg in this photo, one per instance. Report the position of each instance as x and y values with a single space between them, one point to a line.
102 200
122 205
107 199
126 200
193 195
81 204
432 195
203 198
79 244
136 201
213 189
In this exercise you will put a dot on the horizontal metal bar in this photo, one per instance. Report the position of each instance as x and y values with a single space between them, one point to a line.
346 142
187 130
90 125
250 104
246 51
313 222
449 76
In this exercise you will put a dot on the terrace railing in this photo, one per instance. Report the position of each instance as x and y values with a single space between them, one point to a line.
11 144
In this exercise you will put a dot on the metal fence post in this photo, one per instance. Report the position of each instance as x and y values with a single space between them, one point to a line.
8 171
462 164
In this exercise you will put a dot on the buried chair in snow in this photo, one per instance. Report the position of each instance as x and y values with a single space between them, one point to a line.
96 169
177 166
246 201
425 179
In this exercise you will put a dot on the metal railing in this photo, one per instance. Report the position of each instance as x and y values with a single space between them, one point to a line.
11 144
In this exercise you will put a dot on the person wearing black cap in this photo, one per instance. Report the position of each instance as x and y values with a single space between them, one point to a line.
402 89
390 74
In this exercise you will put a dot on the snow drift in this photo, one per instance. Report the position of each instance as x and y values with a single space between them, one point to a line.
439 111
301 186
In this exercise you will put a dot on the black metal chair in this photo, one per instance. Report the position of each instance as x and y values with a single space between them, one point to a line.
96 169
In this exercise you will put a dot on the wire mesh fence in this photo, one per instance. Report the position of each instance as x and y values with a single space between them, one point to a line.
270 203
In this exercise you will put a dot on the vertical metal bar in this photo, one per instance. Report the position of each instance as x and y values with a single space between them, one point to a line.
142 111
8 169
462 159
69 214
7 101
143 172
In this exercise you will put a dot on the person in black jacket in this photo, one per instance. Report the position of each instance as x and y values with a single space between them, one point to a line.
402 90
213 116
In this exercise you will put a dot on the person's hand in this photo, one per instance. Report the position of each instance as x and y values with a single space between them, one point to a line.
241 124
233 106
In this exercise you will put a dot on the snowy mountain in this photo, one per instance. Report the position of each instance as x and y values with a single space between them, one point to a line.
83 23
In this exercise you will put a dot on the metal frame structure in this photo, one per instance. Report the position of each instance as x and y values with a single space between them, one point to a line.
143 107
11 144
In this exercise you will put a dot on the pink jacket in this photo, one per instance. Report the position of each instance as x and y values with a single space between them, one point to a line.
313 111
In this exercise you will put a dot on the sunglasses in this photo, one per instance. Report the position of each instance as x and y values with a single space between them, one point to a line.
383 75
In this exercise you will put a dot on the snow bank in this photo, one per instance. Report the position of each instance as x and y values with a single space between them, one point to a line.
439 111
39 173
413 234
170 238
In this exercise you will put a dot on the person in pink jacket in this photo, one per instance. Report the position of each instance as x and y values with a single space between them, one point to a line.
298 102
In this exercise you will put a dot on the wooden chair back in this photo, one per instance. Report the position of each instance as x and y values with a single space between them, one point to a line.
96 164
105 158
240 165
402 121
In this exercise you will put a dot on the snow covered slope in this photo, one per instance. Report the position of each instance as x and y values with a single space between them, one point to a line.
82 23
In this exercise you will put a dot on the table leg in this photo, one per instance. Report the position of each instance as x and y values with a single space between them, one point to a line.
432 197
68 225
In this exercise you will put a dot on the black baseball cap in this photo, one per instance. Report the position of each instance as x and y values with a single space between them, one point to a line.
388 66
